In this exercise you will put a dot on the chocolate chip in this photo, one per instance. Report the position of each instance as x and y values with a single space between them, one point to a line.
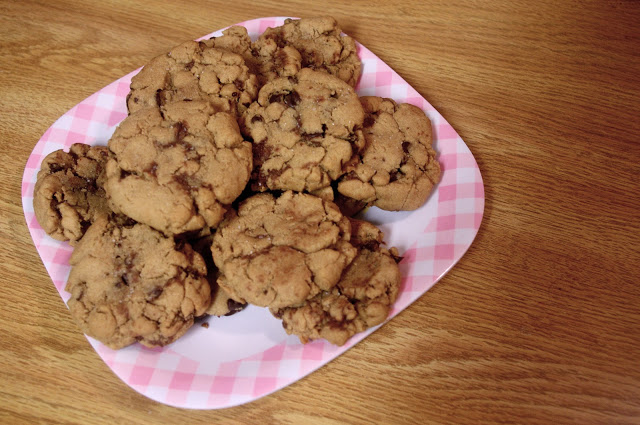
159 97
371 245
234 306
405 146
152 169
397 258
280 58
309 136
393 176
350 176
275 98
280 42
311 58
184 180
189 66
261 152
54 168
368 121
124 173
182 131
157 291
292 99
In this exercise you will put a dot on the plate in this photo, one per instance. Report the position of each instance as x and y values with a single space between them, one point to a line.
240 358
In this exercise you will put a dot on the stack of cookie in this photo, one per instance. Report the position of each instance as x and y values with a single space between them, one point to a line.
234 180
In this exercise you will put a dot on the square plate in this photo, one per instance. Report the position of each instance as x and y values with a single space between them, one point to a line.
240 358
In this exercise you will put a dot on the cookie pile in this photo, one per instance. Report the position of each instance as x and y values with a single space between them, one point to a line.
234 180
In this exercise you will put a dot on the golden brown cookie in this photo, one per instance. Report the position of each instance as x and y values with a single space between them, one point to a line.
305 130
398 168
69 195
362 298
130 283
195 71
279 252
179 170
321 44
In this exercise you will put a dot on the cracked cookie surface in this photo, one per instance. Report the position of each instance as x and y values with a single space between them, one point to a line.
278 252
130 283
321 45
179 170
398 168
272 60
195 70
361 299
305 131
69 195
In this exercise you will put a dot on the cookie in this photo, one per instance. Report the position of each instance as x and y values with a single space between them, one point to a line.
305 131
195 71
131 283
361 299
279 252
179 170
68 195
398 168
321 45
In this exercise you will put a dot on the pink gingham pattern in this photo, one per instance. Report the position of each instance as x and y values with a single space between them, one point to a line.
200 372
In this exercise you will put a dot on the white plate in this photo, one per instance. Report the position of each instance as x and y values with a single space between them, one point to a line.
246 356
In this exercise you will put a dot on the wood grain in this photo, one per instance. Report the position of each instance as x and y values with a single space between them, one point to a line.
538 323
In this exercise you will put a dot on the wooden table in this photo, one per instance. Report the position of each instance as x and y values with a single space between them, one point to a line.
540 320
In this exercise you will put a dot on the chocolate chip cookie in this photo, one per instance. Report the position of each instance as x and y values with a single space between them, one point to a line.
177 170
130 283
398 168
195 71
305 131
279 252
69 195
362 298
321 44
